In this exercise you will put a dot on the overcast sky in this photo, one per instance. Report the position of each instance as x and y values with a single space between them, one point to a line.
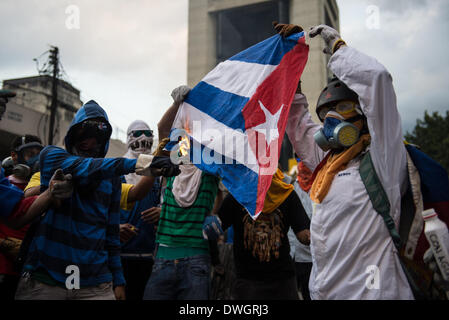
129 55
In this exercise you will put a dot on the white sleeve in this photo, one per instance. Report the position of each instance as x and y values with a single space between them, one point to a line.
300 130
374 86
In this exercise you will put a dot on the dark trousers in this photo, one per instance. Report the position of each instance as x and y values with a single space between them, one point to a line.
8 286
303 270
263 289
137 273
180 279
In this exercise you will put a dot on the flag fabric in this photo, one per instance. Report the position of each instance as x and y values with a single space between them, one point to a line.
435 191
236 116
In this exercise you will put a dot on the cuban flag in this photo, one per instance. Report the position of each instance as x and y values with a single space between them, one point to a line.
236 116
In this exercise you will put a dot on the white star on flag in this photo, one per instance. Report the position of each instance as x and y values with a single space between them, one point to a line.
271 123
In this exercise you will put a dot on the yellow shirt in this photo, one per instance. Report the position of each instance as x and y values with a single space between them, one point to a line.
35 181
124 197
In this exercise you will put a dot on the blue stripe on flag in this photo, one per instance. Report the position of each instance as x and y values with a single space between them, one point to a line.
232 176
223 106
434 178
263 52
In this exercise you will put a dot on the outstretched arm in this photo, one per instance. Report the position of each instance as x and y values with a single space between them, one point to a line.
300 130
84 169
140 189
30 208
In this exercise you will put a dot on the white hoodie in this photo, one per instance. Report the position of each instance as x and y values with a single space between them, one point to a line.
353 254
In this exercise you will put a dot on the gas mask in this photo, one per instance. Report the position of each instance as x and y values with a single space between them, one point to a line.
342 105
338 131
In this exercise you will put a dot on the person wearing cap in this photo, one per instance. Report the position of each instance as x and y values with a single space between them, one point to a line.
353 254
24 161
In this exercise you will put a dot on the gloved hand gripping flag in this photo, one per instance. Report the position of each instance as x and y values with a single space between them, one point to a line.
236 116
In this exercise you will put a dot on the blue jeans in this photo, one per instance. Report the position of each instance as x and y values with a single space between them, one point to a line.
180 279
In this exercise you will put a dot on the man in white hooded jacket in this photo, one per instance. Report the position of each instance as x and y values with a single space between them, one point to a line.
353 254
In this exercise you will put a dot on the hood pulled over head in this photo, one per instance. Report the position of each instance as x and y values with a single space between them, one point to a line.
139 138
90 110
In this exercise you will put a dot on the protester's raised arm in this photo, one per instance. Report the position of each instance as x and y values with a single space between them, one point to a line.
167 119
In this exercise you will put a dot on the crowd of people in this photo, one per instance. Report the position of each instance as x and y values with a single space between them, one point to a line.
77 225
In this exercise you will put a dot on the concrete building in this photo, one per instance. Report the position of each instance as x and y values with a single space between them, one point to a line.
218 29
29 112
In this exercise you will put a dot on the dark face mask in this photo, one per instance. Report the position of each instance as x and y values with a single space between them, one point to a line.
24 169
33 163
91 129
91 153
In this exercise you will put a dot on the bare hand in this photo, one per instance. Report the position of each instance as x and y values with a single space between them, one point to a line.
127 231
304 237
119 293
151 215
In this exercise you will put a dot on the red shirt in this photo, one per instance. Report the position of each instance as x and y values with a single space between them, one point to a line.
6 261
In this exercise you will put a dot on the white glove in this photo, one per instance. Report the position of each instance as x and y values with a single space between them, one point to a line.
329 35
143 165
178 94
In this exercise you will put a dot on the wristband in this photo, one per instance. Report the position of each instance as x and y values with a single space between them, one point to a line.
340 42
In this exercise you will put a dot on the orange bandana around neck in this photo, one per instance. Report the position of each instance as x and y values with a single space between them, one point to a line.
334 164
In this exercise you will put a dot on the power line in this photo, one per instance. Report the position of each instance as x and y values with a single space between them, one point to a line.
44 67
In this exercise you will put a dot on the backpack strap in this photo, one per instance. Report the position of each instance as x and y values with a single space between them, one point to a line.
411 221
378 196
381 204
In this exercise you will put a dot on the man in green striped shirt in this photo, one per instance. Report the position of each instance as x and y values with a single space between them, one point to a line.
182 266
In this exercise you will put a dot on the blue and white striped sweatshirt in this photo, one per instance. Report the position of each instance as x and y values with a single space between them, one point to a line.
84 230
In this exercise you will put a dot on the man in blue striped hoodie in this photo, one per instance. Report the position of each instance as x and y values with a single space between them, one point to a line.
77 246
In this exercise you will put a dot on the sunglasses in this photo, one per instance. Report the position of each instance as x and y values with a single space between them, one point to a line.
93 124
92 128
343 107
138 133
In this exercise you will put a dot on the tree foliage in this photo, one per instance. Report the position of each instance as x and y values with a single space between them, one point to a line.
432 136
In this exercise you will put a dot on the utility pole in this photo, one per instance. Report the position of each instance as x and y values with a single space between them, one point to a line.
54 62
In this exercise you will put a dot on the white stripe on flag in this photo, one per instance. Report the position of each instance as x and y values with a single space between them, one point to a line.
233 144
238 77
